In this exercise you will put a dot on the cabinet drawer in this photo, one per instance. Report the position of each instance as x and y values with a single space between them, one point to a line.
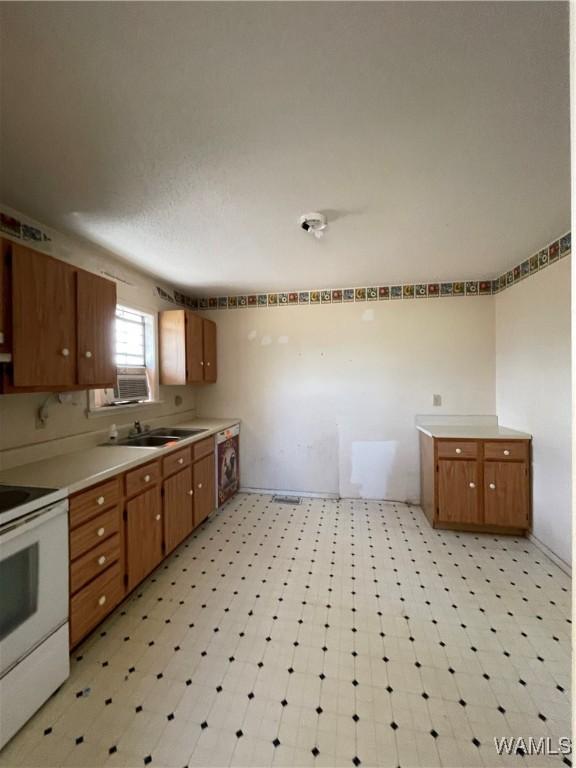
92 533
142 477
89 503
176 460
203 448
503 451
94 562
89 606
454 449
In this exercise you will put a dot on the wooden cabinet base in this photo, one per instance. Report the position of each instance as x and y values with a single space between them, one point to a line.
476 485
123 528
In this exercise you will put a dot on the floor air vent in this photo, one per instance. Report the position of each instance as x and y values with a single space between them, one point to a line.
286 499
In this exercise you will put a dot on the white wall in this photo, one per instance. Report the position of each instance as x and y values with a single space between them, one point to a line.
328 395
533 391
20 438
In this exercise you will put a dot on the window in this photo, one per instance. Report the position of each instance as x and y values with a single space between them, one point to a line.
137 374
130 338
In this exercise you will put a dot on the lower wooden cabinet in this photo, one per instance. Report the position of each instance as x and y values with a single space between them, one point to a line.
458 491
478 485
178 508
204 488
143 535
121 529
506 501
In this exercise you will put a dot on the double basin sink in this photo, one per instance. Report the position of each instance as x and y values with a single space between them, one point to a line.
156 438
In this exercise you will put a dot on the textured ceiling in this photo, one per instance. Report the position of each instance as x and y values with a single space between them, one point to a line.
189 137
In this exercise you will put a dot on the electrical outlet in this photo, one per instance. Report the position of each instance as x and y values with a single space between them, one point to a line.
436 399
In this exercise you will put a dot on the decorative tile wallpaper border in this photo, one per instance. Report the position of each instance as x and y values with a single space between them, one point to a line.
536 263
16 228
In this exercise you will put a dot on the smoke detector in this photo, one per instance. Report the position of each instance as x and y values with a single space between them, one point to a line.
314 223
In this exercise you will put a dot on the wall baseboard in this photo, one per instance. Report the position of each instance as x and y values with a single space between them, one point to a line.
280 492
562 564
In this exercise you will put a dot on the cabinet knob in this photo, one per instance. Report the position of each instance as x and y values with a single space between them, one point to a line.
191 492
158 517
88 354
180 461
208 364
492 486
102 600
472 485
65 352
458 450
101 559
100 531
506 452
146 478
201 362
199 485
100 500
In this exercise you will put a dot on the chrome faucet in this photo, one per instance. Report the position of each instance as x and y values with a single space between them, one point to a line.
138 429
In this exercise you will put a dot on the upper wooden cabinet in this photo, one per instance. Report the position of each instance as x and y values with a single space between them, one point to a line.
43 320
96 303
57 321
187 348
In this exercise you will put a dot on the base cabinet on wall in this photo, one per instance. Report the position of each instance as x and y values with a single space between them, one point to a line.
121 529
478 485
143 535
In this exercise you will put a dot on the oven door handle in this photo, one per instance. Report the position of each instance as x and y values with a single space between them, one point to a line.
31 521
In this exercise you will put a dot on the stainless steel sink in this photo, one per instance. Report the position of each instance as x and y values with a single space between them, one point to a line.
158 437
175 432
147 441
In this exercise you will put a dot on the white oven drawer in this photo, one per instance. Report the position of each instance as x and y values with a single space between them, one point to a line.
33 581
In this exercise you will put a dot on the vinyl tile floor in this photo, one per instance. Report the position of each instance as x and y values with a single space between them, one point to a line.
333 633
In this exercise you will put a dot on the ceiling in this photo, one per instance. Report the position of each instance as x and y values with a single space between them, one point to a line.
189 137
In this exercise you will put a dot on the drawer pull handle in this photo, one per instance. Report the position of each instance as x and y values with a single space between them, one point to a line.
199 485
100 500
492 486
102 600
191 492
101 559
146 478
506 452
88 354
472 485
158 517
65 352
180 460
458 450
100 531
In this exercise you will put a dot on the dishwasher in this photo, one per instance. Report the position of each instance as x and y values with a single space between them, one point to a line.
228 463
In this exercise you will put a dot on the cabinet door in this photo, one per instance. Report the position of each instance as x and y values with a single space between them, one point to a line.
5 324
458 491
204 488
178 508
506 500
43 320
194 348
96 302
210 366
143 535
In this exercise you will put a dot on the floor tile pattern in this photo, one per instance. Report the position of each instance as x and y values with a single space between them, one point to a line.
333 633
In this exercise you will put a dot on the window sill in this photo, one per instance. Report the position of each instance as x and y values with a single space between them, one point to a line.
107 410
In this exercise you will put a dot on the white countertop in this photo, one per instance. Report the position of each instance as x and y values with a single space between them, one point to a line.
473 431
74 471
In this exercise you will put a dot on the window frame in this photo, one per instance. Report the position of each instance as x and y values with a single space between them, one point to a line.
96 398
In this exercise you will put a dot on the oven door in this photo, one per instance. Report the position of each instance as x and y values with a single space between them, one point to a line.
33 581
